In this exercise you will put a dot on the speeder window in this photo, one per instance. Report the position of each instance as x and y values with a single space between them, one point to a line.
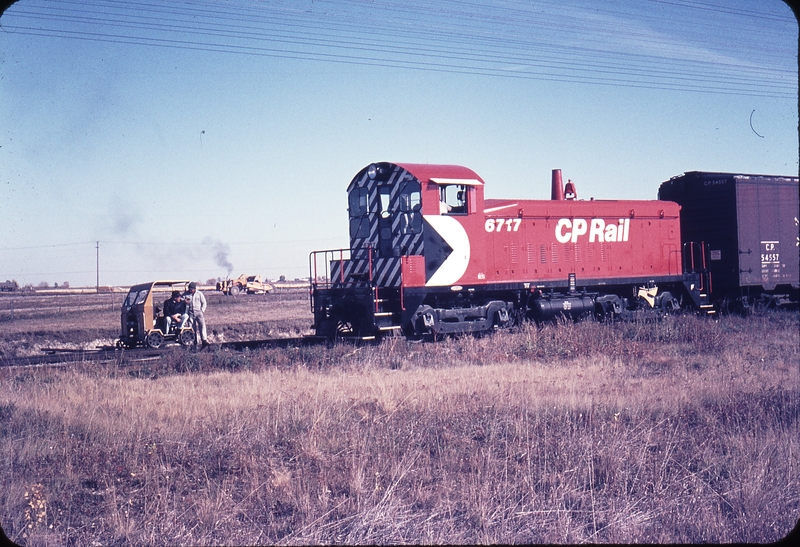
142 296
131 299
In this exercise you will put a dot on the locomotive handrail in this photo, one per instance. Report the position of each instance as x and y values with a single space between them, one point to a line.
702 266
689 247
322 277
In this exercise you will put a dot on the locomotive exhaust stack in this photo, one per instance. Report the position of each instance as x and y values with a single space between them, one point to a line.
557 190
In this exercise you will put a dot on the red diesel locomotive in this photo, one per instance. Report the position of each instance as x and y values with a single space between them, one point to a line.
429 255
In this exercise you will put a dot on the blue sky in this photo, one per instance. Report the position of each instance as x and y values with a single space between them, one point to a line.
199 139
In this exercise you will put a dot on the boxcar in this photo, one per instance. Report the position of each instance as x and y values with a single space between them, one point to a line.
743 231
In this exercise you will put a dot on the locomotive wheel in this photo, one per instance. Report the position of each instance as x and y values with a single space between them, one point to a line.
344 328
154 339
187 338
729 306
762 304
331 329
669 304
733 305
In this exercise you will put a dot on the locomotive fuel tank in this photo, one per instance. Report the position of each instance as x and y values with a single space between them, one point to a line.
572 307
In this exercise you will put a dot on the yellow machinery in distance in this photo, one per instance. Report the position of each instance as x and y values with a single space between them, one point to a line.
249 284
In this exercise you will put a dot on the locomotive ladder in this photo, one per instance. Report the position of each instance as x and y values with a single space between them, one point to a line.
698 265
383 310
380 304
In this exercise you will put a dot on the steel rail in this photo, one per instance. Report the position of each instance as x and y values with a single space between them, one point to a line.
65 356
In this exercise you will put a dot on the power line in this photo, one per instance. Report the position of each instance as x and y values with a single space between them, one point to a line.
249 32
167 244
48 246
314 26
752 87
454 38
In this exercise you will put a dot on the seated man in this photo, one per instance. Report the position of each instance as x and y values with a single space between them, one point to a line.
175 311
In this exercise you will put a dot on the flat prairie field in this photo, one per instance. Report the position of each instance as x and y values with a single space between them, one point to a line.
685 430
31 322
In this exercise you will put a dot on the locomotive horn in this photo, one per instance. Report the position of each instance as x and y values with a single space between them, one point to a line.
569 191
557 192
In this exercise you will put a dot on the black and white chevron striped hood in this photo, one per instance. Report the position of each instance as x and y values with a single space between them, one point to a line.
389 246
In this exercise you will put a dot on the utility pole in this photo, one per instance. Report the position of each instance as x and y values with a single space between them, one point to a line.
97 285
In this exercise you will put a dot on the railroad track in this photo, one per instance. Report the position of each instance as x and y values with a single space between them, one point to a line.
61 357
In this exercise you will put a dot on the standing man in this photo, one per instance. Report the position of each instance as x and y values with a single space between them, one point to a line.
196 304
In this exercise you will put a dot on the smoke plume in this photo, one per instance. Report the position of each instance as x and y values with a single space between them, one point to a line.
220 251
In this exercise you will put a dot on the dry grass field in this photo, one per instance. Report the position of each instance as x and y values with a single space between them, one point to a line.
682 431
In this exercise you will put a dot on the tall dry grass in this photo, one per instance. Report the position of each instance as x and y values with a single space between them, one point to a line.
681 431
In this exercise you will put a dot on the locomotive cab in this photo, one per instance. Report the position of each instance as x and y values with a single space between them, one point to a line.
408 228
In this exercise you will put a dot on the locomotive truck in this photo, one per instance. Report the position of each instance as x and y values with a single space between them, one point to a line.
429 255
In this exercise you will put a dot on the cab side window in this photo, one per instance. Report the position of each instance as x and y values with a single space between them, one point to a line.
453 199
410 208
358 207
358 202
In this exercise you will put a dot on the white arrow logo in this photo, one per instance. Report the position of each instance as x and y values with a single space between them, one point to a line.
454 266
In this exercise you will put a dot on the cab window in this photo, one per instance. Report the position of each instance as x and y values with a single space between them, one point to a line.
358 202
411 223
453 199
359 227
386 197
410 201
